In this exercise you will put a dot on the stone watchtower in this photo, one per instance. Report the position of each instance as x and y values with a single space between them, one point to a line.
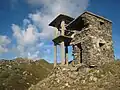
90 36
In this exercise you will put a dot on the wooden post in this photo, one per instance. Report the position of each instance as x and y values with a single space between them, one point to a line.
62 43
66 55
55 48
62 53
55 55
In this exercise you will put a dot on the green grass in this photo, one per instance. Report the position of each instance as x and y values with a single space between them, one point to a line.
20 76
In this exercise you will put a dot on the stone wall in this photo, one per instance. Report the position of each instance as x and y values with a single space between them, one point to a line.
96 40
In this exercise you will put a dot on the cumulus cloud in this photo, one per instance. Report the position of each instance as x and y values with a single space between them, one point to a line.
34 56
41 21
4 41
51 8
61 6
26 22
35 28
25 37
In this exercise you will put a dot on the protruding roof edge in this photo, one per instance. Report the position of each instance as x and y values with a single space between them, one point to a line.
59 18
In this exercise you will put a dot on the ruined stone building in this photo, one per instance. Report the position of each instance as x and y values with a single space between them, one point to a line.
89 35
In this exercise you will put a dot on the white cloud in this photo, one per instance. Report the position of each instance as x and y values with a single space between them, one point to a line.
40 44
26 22
35 17
41 21
50 9
33 56
2 49
25 37
35 28
37 2
4 41
61 6
29 36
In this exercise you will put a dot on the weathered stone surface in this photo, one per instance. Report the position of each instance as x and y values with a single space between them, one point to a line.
95 40
92 47
61 78
91 38
65 78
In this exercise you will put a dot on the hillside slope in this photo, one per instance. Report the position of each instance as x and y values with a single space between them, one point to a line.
81 77
20 74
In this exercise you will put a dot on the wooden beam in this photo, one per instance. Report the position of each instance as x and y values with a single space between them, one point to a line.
55 55
62 43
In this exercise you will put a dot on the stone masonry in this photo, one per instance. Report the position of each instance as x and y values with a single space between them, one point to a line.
90 36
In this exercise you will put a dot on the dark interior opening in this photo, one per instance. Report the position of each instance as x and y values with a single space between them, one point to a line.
101 44
101 23
92 66
80 51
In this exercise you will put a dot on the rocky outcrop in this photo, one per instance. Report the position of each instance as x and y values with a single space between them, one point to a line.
82 77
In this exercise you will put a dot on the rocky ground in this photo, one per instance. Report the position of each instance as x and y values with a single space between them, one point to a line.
81 77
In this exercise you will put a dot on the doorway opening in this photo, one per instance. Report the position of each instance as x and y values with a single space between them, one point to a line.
77 53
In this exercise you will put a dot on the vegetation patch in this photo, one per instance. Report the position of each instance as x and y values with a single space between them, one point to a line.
20 74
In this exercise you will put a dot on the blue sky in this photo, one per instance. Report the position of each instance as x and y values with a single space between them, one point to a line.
24 30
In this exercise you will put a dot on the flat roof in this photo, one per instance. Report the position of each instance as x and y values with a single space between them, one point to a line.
75 24
57 21
61 38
